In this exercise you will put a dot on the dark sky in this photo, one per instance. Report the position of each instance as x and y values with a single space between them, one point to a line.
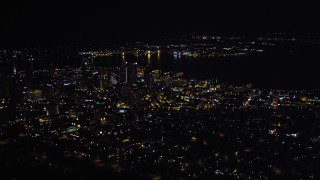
60 23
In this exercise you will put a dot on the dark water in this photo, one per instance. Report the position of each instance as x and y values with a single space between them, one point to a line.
285 66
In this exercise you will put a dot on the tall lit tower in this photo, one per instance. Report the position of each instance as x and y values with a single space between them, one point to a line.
133 73
148 77
14 59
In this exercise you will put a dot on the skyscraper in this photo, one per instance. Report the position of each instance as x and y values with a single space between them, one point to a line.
130 73
133 73
14 69
148 77
124 74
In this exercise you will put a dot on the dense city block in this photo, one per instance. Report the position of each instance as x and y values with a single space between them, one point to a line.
133 119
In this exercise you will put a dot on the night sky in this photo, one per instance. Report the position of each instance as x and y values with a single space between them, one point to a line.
39 23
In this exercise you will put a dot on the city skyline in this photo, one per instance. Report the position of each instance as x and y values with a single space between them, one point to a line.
159 90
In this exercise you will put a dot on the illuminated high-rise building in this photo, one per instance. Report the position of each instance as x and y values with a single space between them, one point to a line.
148 78
133 73
14 69
124 74
129 73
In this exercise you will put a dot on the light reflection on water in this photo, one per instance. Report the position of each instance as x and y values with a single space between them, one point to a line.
263 70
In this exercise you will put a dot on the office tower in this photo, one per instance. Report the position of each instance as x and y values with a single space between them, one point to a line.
14 69
133 73
148 78
124 73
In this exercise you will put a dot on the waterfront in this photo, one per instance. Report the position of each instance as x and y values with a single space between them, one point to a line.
279 67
